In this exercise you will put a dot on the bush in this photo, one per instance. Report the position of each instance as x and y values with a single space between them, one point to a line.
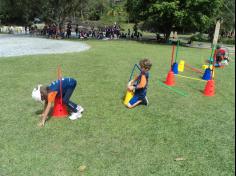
200 37
94 16
229 41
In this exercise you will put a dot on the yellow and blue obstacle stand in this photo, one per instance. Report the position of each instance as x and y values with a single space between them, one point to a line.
175 68
209 73
204 67
210 65
181 66
129 95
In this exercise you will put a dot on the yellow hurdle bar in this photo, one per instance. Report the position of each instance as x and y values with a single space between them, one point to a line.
190 78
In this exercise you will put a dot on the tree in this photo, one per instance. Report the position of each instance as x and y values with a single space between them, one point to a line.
92 10
56 11
228 15
19 12
11 11
163 16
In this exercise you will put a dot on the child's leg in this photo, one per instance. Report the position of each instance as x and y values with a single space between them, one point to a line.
145 101
66 99
134 102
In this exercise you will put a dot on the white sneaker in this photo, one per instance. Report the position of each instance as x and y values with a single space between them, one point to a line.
75 115
80 109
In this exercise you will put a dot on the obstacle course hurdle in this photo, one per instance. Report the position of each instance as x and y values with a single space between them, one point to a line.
59 109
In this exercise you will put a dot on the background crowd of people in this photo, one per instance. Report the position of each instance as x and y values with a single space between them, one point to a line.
81 32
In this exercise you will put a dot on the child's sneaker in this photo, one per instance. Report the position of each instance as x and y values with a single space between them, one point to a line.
145 101
80 109
75 115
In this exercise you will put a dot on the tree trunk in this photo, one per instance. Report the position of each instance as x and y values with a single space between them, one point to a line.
82 15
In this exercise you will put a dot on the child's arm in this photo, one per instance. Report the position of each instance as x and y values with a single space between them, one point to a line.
45 114
142 83
45 106
131 83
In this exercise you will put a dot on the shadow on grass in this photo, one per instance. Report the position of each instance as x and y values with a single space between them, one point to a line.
162 42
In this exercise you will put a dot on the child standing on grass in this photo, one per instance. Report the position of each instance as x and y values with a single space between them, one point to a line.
139 85
50 92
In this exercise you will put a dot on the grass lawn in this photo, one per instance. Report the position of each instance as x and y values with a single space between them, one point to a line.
111 140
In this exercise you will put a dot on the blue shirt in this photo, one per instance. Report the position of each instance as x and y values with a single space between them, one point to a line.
66 84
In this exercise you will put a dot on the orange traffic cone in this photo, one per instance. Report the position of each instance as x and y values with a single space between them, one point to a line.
170 80
59 109
210 88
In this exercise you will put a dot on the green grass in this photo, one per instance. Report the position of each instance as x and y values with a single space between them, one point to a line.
111 140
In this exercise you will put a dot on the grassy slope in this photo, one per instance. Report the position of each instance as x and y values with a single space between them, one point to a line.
109 139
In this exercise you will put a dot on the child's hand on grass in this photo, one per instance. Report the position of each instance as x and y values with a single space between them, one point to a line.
41 124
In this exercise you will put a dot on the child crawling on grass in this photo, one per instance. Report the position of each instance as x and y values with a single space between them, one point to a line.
49 93
139 85
221 58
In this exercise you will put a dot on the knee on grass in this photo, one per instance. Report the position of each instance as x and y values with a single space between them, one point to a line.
130 106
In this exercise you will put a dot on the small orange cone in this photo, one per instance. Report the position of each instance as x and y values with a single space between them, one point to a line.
170 80
210 88
59 109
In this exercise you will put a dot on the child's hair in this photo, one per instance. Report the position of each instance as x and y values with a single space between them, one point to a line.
145 63
44 92
218 47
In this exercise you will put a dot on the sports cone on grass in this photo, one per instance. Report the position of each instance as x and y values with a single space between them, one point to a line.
59 109
170 79
210 88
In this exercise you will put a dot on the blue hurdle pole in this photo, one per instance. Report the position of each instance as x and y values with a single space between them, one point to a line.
135 65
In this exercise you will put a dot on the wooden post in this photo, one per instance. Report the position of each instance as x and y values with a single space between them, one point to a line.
217 31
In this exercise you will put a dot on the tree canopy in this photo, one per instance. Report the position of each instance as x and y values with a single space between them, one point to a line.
163 16
159 16
24 11
228 15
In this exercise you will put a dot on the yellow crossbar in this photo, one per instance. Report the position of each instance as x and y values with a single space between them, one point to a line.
190 78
